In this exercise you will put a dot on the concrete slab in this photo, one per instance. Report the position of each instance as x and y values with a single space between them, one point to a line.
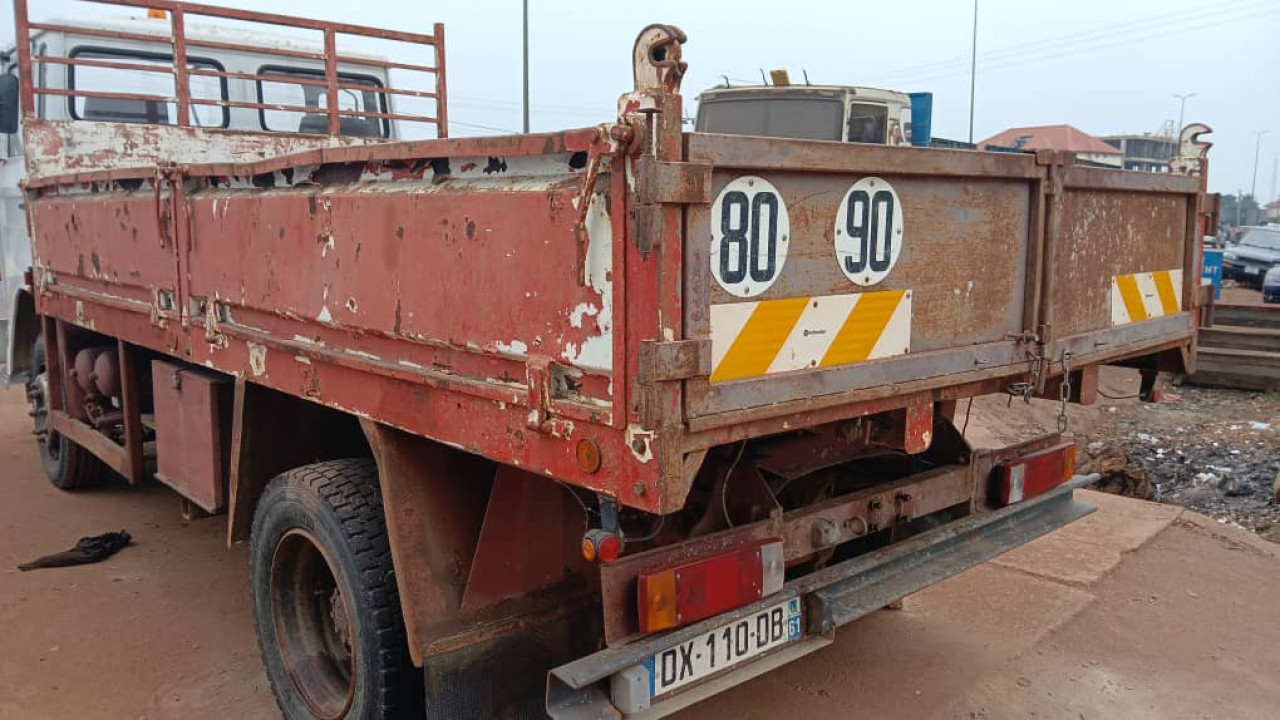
1083 552
1185 628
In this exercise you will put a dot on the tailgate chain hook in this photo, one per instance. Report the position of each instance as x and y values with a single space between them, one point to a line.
1064 391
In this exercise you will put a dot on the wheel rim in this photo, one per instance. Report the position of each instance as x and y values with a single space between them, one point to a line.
37 397
313 625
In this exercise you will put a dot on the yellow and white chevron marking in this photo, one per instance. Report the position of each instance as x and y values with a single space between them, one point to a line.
750 339
1142 296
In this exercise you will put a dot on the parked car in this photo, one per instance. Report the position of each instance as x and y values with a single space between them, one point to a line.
1271 286
1257 252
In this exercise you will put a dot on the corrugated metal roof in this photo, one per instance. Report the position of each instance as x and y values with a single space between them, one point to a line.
1050 137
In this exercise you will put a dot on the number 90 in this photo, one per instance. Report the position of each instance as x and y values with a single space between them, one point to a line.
868 231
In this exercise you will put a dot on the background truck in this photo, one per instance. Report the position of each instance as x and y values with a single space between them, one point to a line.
614 417
837 113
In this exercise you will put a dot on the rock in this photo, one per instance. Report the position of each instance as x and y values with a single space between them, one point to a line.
1119 475
1103 459
1275 488
1235 488
1195 497
1208 478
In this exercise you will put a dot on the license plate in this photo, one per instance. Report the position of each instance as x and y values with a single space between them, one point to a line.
1251 270
724 647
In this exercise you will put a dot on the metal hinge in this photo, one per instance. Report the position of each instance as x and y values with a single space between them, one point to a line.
672 183
673 360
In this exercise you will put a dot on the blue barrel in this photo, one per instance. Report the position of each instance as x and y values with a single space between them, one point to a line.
1211 270
921 119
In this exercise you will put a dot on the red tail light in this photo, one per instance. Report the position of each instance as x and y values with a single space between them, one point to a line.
679 595
601 546
1037 473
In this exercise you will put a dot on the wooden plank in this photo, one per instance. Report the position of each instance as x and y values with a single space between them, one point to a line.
84 435
132 412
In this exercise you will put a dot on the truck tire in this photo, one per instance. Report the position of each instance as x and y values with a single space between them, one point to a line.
67 465
325 604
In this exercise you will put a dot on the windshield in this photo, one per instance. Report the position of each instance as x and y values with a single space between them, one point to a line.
867 123
1261 239
804 118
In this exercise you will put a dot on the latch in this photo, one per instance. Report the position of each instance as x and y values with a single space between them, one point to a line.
611 140
673 360
538 371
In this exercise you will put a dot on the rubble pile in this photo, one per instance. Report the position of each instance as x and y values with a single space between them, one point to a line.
1198 456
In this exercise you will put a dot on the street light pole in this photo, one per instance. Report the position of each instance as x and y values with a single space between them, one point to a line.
526 67
1257 147
973 68
1182 106
1275 165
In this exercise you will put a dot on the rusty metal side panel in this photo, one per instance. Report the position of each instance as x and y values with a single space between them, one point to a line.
489 268
111 246
458 363
961 268
1109 233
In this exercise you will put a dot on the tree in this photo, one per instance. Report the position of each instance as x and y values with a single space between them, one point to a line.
1239 210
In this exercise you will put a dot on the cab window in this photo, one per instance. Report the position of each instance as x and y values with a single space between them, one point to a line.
288 90
785 117
119 80
867 123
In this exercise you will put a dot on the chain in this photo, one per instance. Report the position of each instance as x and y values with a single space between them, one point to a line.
1064 391
1026 389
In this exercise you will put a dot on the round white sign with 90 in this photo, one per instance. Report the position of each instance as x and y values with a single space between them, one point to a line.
868 231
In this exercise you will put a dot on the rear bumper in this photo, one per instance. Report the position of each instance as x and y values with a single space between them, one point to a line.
834 596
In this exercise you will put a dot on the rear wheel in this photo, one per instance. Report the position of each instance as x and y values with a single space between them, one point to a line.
67 465
325 604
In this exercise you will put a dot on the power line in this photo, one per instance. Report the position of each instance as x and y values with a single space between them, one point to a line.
494 102
478 126
1124 30
1077 43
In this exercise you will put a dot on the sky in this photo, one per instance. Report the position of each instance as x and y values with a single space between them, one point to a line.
1105 66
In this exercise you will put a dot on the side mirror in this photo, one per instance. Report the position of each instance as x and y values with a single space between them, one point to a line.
9 103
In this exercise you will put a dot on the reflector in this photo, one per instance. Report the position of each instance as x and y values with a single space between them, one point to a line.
1037 473
601 545
698 589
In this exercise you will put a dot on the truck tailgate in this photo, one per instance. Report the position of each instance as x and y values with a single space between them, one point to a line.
821 268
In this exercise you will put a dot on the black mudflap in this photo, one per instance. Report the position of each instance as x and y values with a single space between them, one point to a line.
506 677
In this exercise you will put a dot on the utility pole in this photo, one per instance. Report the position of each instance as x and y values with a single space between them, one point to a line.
1182 106
1275 163
1257 147
1239 202
973 68
1177 132
526 67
